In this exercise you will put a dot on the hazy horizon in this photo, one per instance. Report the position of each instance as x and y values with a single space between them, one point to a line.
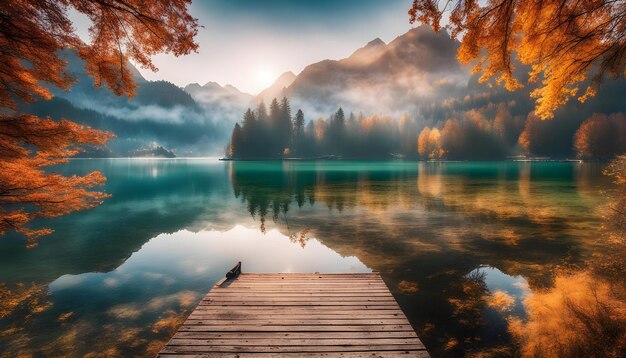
282 36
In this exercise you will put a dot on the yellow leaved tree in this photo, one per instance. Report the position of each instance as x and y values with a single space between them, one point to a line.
569 45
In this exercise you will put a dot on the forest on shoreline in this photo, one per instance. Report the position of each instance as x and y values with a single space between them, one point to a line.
469 135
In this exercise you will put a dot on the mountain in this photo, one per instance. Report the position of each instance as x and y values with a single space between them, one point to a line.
224 104
368 53
160 114
417 67
277 89
416 73
417 77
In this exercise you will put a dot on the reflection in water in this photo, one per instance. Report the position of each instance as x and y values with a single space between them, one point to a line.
583 313
581 316
464 247
524 219
25 300
136 308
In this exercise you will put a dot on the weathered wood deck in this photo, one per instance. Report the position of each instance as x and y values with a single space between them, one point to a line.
295 315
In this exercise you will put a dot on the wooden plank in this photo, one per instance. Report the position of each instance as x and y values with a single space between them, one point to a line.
293 342
298 294
312 284
300 304
290 283
338 276
222 298
299 300
303 291
259 280
370 354
294 311
282 308
292 349
295 335
245 316
302 328
262 282
298 322
297 315
366 300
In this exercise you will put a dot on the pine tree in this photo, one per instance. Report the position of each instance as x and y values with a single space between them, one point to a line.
284 125
285 108
235 142
298 132
249 120
298 123
262 138
261 112
274 112
336 132
249 135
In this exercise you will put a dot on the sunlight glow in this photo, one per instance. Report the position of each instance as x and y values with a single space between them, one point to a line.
264 77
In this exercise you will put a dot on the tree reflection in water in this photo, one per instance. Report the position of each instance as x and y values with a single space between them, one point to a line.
583 314
27 315
428 227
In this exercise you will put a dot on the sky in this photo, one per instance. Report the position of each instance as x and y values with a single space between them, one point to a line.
249 43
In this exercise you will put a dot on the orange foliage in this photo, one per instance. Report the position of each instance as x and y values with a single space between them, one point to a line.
566 43
375 122
32 33
429 144
28 299
530 135
601 136
616 218
26 190
582 316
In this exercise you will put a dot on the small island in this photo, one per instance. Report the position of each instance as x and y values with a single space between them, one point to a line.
153 152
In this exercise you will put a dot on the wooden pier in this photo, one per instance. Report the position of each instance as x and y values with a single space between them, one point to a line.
297 315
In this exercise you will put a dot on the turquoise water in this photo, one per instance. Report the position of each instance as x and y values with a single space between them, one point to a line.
118 279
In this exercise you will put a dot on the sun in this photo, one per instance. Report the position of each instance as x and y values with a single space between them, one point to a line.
264 77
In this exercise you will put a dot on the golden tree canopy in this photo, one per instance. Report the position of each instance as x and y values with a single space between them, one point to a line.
570 45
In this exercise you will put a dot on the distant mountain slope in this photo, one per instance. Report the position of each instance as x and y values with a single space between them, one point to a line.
164 94
415 68
277 89
418 74
222 104
160 113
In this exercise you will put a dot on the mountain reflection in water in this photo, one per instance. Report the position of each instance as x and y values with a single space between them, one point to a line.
462 246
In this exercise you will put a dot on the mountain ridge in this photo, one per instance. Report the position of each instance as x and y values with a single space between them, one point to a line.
277 89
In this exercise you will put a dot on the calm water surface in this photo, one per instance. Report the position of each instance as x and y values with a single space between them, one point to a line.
117 280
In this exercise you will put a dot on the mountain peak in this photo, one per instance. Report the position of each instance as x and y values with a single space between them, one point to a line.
213 85
285 78
236 91
232 88
375 43
368 53
277 88
192 86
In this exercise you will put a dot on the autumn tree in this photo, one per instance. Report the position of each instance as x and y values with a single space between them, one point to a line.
601 137
429 144
570 46
422 143
33 34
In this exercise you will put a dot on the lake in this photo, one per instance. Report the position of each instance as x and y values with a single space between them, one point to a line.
118 279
